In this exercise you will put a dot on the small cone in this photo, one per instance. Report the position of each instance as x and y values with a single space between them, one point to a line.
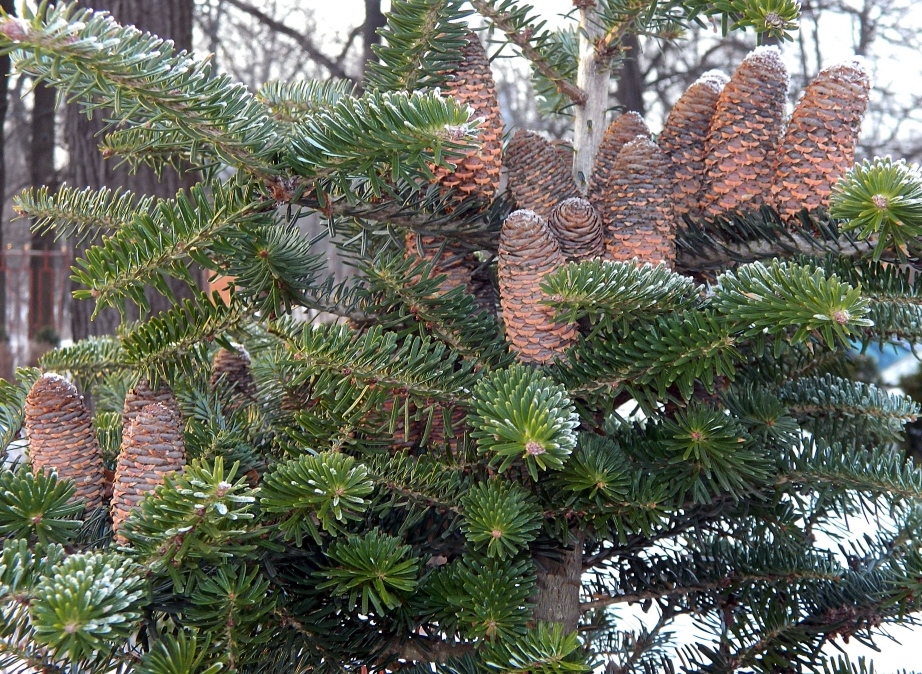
539 178
577 226
438 434
684 135
61 437
441 258
528 252
476 174
234 367
620 132
819 145
639 208
745 133
153 448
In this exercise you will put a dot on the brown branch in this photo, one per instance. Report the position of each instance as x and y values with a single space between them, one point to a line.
522 40
336 69
735 253
427 649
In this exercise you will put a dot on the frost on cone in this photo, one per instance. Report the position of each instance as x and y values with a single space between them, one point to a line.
441 259
819 144
234 367
528 252
639 213
684 135
619 133
745 134
477 173
577 226
61 437
539 178
153 448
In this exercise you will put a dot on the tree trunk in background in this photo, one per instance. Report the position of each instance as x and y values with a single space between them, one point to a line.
374 19
168 19
630 80
41 172
10 8
558 580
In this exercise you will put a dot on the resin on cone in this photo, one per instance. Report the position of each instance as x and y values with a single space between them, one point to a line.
745 134
234 367
683 137
152 449
527 253
577 226
819 144
62 439
638 211
622 130
539 178
477 173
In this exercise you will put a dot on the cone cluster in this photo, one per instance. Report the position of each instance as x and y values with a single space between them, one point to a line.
819 144
683 139
234 367
62 439
153 448
477 173
539 178
577 226
527 252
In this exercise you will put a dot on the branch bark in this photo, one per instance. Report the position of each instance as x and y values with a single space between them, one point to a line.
592 78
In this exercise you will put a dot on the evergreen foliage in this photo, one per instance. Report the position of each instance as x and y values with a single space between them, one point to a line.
394 489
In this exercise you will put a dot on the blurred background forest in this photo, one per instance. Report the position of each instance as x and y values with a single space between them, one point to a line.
256 41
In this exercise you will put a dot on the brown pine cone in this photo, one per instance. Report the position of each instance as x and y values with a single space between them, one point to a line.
577 226
528 252
539 178
61 437
438 435
819 144
234 367
619 133
683 137
153 448
471 83
140 397
442 258
639 209
745 133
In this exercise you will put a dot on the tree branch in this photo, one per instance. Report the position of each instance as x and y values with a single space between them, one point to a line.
335 68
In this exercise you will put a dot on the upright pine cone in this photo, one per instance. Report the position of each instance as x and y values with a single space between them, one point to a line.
819 144
619 133
527 252
62 439
745 134
638 211
442 259
577 226
234 367
683 138
153 448
140 397
471 83
539 178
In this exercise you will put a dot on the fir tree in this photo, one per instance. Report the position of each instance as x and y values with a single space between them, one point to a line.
495 447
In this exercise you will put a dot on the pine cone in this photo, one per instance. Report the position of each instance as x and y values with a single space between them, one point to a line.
442 258
683 138
639 214
61 437
745 133
527 252
438 435
153 448
619 133
477 173
577 226
140 397
819 145
234 367
539 178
